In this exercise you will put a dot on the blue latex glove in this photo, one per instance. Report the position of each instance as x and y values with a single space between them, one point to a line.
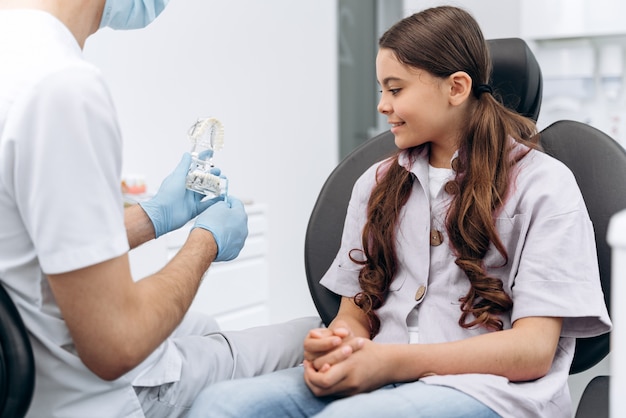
173 205
228 222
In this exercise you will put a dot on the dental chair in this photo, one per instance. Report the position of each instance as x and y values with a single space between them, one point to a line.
17 364
598 163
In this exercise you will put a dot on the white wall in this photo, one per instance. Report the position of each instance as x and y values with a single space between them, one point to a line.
267 70
497 18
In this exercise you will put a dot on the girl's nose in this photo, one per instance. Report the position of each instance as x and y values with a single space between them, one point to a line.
383 107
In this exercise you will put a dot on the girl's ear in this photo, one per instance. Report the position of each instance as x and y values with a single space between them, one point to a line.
460 87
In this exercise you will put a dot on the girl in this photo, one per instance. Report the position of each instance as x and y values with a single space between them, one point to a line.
467 265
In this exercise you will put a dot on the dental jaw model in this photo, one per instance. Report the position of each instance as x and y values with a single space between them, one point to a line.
207 136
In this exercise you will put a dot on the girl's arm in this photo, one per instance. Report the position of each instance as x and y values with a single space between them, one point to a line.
523 353
351 316
343 336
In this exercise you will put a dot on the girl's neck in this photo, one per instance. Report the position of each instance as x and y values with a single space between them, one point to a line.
440 155
440 160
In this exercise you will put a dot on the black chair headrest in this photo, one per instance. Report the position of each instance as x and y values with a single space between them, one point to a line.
516 78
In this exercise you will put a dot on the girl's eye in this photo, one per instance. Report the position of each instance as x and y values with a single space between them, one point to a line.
392 91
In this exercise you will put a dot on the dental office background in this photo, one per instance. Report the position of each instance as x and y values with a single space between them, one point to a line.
293 83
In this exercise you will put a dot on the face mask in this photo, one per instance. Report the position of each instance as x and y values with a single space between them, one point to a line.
131 14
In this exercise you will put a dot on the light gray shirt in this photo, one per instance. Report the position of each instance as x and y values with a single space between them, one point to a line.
552 270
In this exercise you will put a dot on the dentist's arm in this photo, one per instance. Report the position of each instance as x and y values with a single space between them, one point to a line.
139 227
116 322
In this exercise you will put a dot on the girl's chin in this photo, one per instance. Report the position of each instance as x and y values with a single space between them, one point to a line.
403 143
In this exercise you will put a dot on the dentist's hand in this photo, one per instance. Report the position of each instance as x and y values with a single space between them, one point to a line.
173 205
228 222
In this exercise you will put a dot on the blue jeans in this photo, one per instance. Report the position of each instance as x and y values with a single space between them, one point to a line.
284 394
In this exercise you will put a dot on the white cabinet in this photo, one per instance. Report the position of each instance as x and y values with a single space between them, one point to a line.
236 292
572 18
581 48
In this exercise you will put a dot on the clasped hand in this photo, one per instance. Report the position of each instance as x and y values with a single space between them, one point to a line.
340 364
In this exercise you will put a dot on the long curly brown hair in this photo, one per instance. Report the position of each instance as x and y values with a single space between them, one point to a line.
442 41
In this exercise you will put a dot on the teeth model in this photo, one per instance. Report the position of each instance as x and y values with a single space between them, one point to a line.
198 179
206 134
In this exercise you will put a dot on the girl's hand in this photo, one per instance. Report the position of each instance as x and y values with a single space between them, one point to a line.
328 346
363 371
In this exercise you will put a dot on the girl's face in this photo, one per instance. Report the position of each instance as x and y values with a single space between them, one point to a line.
417 107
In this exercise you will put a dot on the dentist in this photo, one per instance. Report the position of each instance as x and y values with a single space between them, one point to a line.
105 344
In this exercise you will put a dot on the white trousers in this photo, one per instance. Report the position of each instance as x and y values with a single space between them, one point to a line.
210 355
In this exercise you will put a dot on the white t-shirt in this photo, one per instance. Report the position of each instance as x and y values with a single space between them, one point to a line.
437 177
61 207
